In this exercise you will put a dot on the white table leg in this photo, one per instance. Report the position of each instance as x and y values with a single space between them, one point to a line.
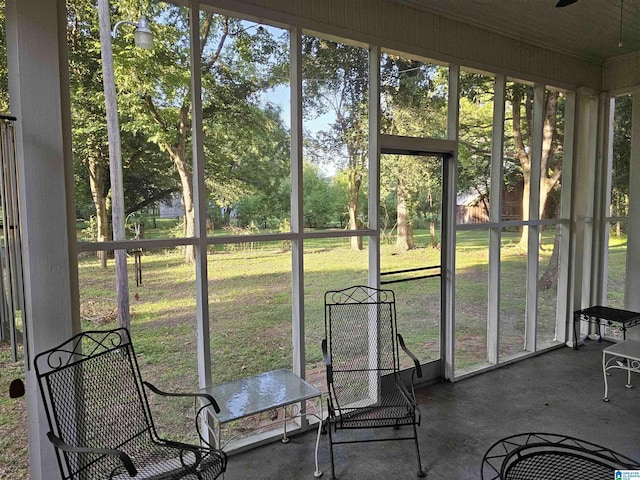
318 472
604 374
285 439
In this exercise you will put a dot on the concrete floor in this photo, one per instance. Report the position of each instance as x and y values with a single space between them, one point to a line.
557 392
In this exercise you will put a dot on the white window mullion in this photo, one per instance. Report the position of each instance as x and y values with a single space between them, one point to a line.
448 252
297 219
533 247
495 217
374 167
200 206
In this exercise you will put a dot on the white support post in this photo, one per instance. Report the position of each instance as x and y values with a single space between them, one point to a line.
582 202
39 94
564 308
297 218
589 290
200 205
495 214
533 246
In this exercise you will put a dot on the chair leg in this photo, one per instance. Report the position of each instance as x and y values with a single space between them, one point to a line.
421 472
333 470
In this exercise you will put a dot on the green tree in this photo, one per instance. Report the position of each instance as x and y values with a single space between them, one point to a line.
521 100
324 201
414 100
89 134
144 168
336 82
156 90
621 159
250 177
475 135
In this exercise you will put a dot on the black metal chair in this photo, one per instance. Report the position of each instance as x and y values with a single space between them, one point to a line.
360 349
545 456
100 420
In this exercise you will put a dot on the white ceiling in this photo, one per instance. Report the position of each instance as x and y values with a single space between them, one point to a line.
588 29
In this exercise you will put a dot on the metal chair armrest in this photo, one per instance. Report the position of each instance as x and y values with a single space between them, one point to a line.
124 458
206 396
416 362
209 402
327 361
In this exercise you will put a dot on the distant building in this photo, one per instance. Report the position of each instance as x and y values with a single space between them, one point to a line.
474 207
172 207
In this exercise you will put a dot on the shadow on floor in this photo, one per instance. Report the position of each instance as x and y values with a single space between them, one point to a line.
557 392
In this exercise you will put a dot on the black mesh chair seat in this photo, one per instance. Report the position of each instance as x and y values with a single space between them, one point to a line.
568 466
158 462
544 456
395 407
99 417
360 349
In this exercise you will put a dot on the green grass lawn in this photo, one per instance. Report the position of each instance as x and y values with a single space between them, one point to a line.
250 312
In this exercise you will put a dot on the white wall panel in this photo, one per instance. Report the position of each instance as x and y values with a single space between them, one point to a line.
621 73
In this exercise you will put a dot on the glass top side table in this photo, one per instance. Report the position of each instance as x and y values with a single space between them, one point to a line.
261 393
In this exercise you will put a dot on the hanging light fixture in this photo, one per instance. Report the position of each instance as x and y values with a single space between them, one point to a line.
142 35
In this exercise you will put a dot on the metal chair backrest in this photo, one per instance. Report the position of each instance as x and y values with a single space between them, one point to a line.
93 395
360 327
542 456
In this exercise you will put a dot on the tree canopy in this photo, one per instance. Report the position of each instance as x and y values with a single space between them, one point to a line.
245 74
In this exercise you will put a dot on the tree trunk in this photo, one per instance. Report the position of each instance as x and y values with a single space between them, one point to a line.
524 234
404 239
226 216
549 279
97 181
354 195
525 162
178 155
618 226
548 179
432 234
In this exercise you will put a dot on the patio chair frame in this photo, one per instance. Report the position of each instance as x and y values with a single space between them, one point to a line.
365 391
100 420
544 456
